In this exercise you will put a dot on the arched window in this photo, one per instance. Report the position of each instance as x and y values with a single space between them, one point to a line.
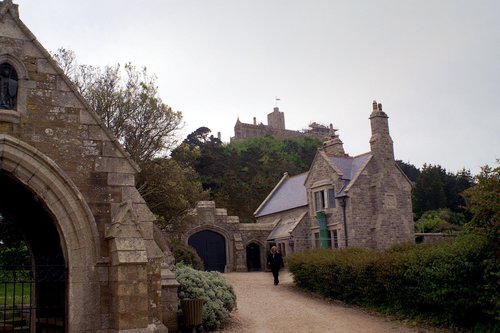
8 87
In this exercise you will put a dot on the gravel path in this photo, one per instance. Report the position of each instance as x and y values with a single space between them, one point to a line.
263 307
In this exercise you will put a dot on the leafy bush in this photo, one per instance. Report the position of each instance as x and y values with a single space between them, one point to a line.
186 254
440 220
218 296
444 282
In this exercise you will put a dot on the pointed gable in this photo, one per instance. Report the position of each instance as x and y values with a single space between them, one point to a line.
351 169
44 83
346 168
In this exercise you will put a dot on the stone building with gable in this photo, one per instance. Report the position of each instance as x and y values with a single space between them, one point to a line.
361 201
67 189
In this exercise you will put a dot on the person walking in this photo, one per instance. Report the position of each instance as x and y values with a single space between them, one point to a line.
275 262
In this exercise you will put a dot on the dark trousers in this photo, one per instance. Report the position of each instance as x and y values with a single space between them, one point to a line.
276 273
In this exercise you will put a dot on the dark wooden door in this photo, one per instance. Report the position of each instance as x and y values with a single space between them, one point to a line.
253 257
211 247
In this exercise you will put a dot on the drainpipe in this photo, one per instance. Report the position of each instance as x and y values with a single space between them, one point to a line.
343 204
323 232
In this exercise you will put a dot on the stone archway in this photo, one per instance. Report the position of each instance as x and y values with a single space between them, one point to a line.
39 274
72 219
211 247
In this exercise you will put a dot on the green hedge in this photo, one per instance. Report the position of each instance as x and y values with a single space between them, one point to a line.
442 282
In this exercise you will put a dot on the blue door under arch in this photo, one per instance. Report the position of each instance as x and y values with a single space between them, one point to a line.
211 247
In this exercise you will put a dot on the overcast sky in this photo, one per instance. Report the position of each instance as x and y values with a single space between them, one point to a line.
434 65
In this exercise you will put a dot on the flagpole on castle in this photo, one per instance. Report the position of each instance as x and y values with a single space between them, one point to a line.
276 99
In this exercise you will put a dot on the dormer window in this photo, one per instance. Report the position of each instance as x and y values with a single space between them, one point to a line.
8 87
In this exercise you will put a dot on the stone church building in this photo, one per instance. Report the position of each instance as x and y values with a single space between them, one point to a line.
67 188
342 201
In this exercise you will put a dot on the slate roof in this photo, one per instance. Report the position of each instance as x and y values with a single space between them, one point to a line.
350 168
285 227
288 194
291 193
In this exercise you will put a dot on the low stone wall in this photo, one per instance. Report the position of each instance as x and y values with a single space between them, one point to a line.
432 237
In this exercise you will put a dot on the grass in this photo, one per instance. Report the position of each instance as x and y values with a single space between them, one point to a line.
17 293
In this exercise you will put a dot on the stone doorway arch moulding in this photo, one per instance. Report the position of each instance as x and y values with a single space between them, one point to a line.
223 233
72 217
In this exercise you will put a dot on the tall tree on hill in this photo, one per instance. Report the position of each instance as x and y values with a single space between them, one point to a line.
127 100
207 155
435 188
241 174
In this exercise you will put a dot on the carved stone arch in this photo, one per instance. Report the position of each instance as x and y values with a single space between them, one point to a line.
210 227
255 257
72 217
256 241
227 238
14 116
22 73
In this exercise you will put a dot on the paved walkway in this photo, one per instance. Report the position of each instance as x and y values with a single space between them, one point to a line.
263 307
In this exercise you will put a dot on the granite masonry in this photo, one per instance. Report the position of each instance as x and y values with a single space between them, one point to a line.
56 155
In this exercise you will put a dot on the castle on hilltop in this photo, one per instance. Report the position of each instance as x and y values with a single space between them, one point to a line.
276 127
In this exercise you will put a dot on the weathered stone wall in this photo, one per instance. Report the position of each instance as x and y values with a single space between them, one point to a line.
378 210
207 217
323 176
54 120
237 235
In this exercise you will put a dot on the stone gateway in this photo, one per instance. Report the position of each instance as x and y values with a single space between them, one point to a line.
69 188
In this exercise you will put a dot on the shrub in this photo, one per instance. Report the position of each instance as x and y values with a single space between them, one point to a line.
186 254
440 220
218 296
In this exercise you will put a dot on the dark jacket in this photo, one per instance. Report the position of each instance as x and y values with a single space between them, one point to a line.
275 261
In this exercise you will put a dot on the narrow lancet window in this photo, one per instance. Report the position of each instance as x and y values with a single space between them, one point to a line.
8 87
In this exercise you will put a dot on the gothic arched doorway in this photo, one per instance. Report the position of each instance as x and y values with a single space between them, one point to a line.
33 285
253 257
211 247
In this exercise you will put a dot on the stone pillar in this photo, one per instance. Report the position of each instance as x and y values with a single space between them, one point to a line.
240 254
128 273
169 298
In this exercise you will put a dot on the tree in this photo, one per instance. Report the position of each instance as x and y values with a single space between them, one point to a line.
411 171
128 102
170 190
435 188
241 174
483 200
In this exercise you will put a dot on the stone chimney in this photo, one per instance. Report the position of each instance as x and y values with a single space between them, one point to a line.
380 142
333 146
254 121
